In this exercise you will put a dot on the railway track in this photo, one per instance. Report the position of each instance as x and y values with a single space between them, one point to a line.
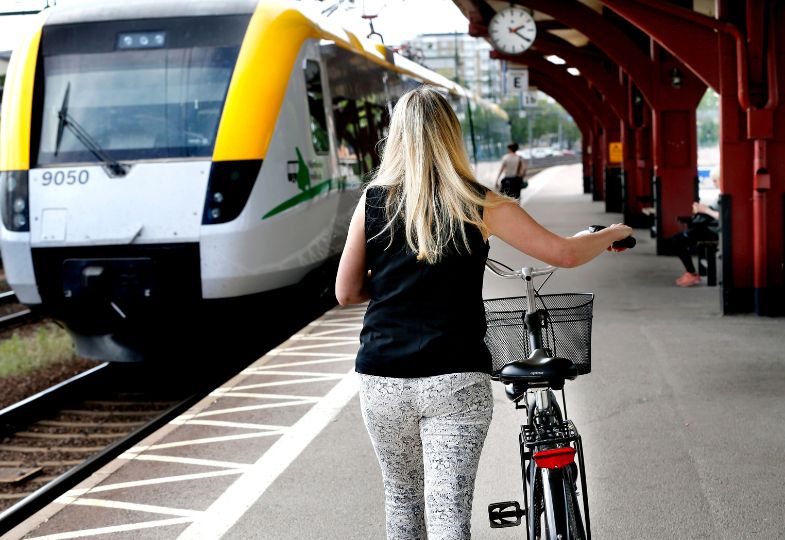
9 316
55 439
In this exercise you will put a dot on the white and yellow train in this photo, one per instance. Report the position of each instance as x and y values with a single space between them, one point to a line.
159 158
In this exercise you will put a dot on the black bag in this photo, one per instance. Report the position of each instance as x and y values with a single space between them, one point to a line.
704 223
512 185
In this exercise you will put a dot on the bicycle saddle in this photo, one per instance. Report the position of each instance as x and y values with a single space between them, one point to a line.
539 367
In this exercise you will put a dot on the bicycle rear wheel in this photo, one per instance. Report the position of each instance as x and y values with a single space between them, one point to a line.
562 511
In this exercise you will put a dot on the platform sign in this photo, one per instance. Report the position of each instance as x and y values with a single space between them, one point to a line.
529 98
615 152
517 81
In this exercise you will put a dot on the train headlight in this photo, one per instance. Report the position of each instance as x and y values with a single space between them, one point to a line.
228 189
19 222
14 202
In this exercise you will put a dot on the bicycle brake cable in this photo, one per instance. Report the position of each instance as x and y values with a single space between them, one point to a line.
537 291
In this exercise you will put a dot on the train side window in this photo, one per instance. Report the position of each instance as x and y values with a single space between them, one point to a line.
348 134
313 88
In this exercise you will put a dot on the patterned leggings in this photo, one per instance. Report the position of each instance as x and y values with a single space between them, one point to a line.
428 434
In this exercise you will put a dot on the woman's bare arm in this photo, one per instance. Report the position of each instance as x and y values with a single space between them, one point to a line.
515 226
350 283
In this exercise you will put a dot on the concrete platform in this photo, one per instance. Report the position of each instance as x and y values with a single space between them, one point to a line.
681 421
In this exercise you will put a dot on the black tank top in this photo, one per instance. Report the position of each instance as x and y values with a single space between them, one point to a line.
423 319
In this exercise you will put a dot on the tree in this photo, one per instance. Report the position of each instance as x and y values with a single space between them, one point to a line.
546 117
707 116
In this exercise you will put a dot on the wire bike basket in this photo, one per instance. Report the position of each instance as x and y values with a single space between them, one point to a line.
566 328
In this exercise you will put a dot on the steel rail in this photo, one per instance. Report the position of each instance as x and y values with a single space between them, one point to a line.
13 415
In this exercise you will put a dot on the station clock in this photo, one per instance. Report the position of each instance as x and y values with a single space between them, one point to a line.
512 30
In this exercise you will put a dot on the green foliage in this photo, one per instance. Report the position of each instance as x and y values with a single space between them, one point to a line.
707 115
47 345
546 118
708 133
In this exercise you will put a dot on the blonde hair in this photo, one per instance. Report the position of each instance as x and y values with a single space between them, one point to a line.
428 177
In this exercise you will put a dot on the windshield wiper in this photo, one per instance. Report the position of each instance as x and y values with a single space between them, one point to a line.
67 121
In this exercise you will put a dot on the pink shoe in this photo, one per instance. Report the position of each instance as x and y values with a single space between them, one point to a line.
688 280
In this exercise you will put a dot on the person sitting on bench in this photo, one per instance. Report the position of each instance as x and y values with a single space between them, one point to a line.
702 226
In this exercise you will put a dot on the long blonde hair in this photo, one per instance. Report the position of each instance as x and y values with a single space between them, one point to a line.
429 180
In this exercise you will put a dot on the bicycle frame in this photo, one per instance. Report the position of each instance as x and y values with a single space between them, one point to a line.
545 429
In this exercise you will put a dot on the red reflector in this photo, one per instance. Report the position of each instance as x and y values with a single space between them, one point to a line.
556 458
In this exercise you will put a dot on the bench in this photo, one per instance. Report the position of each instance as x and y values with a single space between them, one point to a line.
707 260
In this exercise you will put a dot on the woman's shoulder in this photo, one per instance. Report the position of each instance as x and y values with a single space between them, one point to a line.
479 189
374 193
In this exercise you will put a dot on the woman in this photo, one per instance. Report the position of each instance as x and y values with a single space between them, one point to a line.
512 172
416 248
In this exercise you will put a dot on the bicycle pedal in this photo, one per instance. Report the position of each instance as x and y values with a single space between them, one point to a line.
505 514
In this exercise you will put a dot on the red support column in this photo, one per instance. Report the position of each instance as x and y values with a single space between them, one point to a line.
598 161
752 158
629 182
612 179
674 143
675 167
643 166
586 159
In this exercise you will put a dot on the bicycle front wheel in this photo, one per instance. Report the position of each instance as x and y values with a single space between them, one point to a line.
562 511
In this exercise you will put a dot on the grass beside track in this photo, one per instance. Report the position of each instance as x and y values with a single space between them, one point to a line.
24 352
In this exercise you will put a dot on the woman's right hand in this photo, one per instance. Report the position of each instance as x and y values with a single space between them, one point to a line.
621 231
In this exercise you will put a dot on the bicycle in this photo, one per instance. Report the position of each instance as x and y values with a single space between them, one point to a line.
524 340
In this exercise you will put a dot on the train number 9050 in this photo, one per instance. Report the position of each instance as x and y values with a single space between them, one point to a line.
68 177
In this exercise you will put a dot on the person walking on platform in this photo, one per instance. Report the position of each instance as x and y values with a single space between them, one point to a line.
416 248
512 172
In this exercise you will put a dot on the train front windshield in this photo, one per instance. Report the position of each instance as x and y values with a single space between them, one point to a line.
154 94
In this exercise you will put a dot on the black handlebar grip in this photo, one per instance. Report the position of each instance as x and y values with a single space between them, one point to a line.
625 243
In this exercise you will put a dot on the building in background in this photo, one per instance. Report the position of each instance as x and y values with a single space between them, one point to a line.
459 57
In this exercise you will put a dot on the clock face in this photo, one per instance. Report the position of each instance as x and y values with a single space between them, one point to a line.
512 30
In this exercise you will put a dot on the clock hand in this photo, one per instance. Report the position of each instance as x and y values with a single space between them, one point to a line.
526 39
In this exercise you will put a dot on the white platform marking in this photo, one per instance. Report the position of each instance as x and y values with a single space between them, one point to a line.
216 412
356 326
324 338
104 503
242 425
317 346
149 482
210 440
230 392
331 332
321 378
241 495
114 529
187 461
261 370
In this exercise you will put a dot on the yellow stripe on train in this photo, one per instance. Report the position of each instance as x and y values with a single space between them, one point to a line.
275 34
259 81
17 108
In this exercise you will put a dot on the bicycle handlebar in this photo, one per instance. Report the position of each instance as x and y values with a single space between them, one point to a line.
626 243
527 272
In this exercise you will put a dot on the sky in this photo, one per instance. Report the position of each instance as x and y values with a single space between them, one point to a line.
397 20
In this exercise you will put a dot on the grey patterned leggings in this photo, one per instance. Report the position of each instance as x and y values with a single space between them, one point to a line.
428 434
